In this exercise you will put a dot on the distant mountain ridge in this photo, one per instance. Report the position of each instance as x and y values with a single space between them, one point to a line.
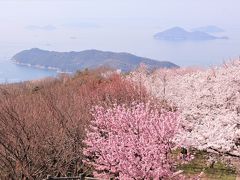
73 61
180 34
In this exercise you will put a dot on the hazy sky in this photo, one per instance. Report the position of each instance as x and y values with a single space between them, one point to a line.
117 25
182 12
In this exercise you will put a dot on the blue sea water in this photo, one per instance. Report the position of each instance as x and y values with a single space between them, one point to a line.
10 72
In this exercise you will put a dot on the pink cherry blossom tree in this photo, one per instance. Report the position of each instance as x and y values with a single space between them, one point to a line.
132 142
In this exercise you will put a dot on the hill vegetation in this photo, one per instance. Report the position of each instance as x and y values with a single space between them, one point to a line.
142 125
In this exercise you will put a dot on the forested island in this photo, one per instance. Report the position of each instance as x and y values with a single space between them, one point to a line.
73 61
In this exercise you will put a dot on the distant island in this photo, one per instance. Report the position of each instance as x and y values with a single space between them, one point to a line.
180 34
73 61
209 29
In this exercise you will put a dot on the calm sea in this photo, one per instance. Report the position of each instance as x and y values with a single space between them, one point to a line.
10 72
136 41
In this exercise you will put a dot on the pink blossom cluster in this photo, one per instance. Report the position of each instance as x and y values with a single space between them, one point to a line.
209 101
132 142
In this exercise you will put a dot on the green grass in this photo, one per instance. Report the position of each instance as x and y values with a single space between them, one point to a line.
199 164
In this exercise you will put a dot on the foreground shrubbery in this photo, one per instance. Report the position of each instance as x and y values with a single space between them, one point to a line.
42 124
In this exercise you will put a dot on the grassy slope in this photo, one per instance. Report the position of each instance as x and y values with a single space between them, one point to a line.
200 164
